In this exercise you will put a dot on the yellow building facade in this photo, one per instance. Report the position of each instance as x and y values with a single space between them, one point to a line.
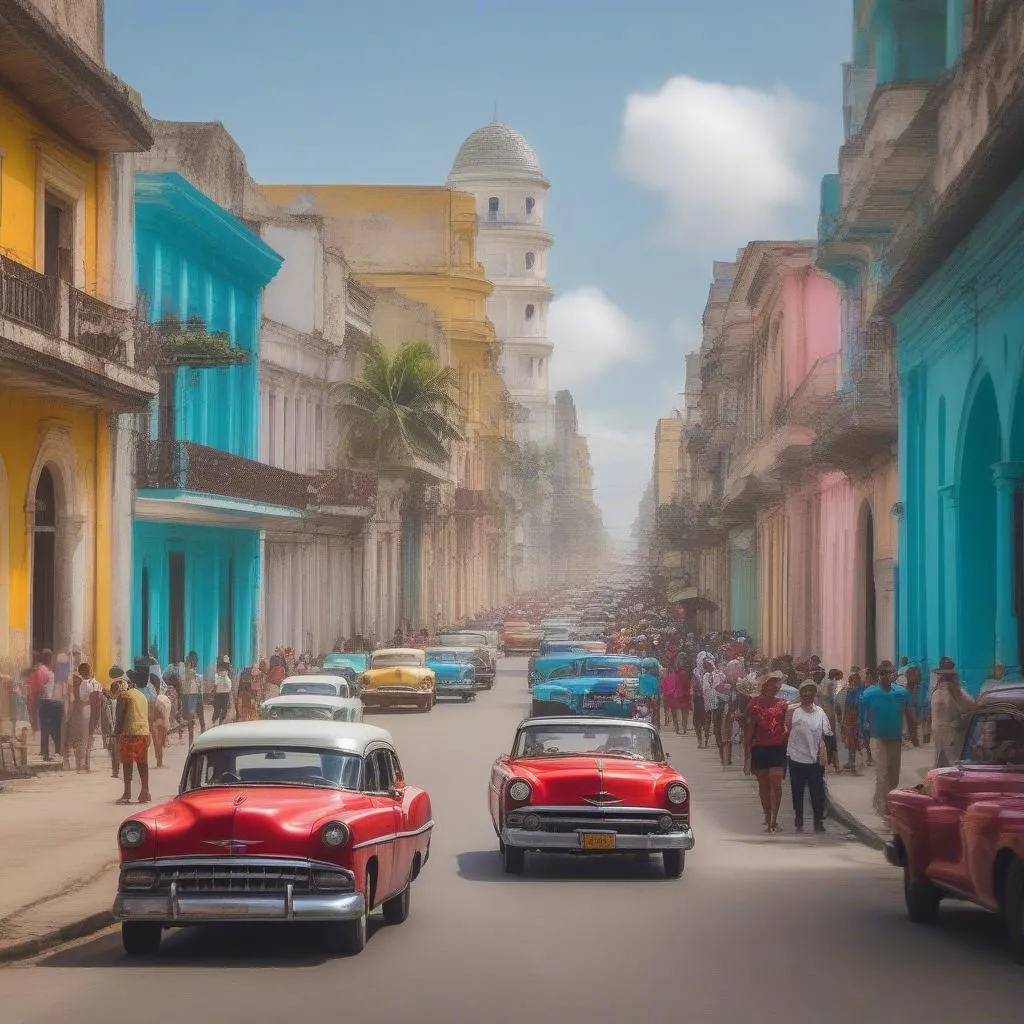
66 344
421 241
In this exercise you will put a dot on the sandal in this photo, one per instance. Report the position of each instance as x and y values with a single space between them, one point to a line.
124 801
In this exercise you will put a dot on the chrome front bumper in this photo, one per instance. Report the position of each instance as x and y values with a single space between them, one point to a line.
624 843
170 909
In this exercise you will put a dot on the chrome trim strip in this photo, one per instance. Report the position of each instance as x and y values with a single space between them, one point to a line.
561 842
227 907
395 835
289 901
597 812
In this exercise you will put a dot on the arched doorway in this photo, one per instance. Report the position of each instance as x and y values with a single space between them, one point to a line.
44 563
981 448
868 593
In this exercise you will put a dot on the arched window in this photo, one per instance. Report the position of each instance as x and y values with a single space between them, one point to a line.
531 259
530 310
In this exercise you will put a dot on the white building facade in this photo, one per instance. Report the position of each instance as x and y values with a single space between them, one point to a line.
500 169
328 575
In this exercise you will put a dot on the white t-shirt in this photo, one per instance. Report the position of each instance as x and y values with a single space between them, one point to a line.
805 734
222 683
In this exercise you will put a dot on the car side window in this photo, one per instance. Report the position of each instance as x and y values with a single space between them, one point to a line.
372 779
396 769
385 773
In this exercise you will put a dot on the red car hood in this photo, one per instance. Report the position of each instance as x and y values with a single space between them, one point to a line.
271 821
568 781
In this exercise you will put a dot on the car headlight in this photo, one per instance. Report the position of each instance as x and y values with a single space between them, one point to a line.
335 834
520 791
132 834
677 794
426 684
138 878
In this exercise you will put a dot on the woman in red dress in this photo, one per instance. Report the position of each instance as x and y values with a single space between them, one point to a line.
765 739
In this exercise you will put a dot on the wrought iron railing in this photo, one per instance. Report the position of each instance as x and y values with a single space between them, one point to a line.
186 466
100 328
29 297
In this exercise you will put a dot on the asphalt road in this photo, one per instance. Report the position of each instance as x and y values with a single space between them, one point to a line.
759 929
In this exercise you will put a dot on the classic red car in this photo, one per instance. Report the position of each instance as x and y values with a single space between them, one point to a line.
277 821
960 834
589 786
519 637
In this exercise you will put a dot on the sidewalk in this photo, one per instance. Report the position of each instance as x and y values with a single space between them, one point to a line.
851 796
58 850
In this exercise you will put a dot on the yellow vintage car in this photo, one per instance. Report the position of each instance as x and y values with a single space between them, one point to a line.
398 677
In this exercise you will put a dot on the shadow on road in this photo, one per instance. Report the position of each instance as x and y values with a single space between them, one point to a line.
486 866
226 946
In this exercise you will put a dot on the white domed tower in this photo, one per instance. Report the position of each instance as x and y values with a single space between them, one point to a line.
498 166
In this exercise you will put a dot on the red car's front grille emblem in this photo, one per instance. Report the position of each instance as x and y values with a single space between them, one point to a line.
601 799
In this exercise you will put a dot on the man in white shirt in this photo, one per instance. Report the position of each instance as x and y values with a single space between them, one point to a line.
808 727
714 686
223 687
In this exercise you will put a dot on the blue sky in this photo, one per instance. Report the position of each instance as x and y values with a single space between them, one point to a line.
672 131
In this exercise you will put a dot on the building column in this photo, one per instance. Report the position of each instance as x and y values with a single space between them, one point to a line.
1008 477
948 579
371 627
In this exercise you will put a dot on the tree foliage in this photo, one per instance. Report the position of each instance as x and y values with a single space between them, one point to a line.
401 407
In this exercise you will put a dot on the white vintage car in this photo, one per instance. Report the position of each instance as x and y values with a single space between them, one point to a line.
326 698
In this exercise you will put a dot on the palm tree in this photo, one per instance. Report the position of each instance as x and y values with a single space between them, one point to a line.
401 407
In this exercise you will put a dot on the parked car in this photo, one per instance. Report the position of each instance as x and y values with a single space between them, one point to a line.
454 672
598 785
960 834
317 686
518 637
276 821
397 677
485 657
312 707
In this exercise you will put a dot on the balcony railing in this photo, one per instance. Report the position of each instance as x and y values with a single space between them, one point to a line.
186 466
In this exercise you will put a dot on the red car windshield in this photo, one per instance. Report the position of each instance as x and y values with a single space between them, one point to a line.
635 742
269 766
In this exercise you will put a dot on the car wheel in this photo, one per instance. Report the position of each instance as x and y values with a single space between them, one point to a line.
1015 910
674 861
922 898
140 938
347 938
396 909
514 859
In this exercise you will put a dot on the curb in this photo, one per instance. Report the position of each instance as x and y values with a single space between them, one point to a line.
79 929
861 832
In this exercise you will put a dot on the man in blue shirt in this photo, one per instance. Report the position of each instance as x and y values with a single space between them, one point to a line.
885 708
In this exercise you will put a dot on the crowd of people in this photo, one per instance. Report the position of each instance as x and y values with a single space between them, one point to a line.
792 717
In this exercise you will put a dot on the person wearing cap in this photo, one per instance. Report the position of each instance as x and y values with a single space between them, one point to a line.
885 707
133 736
808 726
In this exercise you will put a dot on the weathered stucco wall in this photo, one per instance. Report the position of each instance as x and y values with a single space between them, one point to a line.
81 20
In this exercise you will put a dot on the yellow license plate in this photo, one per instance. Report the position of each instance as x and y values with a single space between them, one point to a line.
598 841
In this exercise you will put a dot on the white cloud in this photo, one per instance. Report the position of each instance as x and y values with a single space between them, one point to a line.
622 460
723 156
591 334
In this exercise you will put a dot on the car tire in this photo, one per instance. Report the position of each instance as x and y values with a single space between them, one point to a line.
396 909
514 859
424 706
347 938
922 898
1014 910
140 938
674 861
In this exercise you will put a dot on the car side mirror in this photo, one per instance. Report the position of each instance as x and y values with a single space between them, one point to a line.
396 793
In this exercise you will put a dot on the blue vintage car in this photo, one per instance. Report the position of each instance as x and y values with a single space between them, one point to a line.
347 664
601 696
454 671
562 676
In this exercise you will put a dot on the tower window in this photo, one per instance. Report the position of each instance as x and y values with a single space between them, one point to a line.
492 206
530 204
530 260
530 311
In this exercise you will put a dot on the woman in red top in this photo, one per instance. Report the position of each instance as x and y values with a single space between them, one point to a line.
765 740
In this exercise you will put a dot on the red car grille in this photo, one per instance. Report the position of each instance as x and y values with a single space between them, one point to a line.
229 875
640 823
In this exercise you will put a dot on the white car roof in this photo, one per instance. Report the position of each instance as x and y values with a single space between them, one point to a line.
309 700
587 720
317 678
347 737
406 651
451 647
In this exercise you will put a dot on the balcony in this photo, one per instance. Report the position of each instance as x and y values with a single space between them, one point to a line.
720 423
56 338
68 90
882 166
182 466
808 403
860 419
760 474
475 503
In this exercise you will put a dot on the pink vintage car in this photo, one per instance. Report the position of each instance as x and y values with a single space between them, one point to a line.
277 821
960 834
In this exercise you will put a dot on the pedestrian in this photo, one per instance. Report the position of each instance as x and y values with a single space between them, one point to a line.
701 721
192 696
765 742
684 695
997 678
108 721
808 728
160 725
712 686
827 692
951 706
850 697
885 707
246 707
222 690
133 737
80 716
51 706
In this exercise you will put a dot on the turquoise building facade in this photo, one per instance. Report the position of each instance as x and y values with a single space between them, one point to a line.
961 361
201 501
